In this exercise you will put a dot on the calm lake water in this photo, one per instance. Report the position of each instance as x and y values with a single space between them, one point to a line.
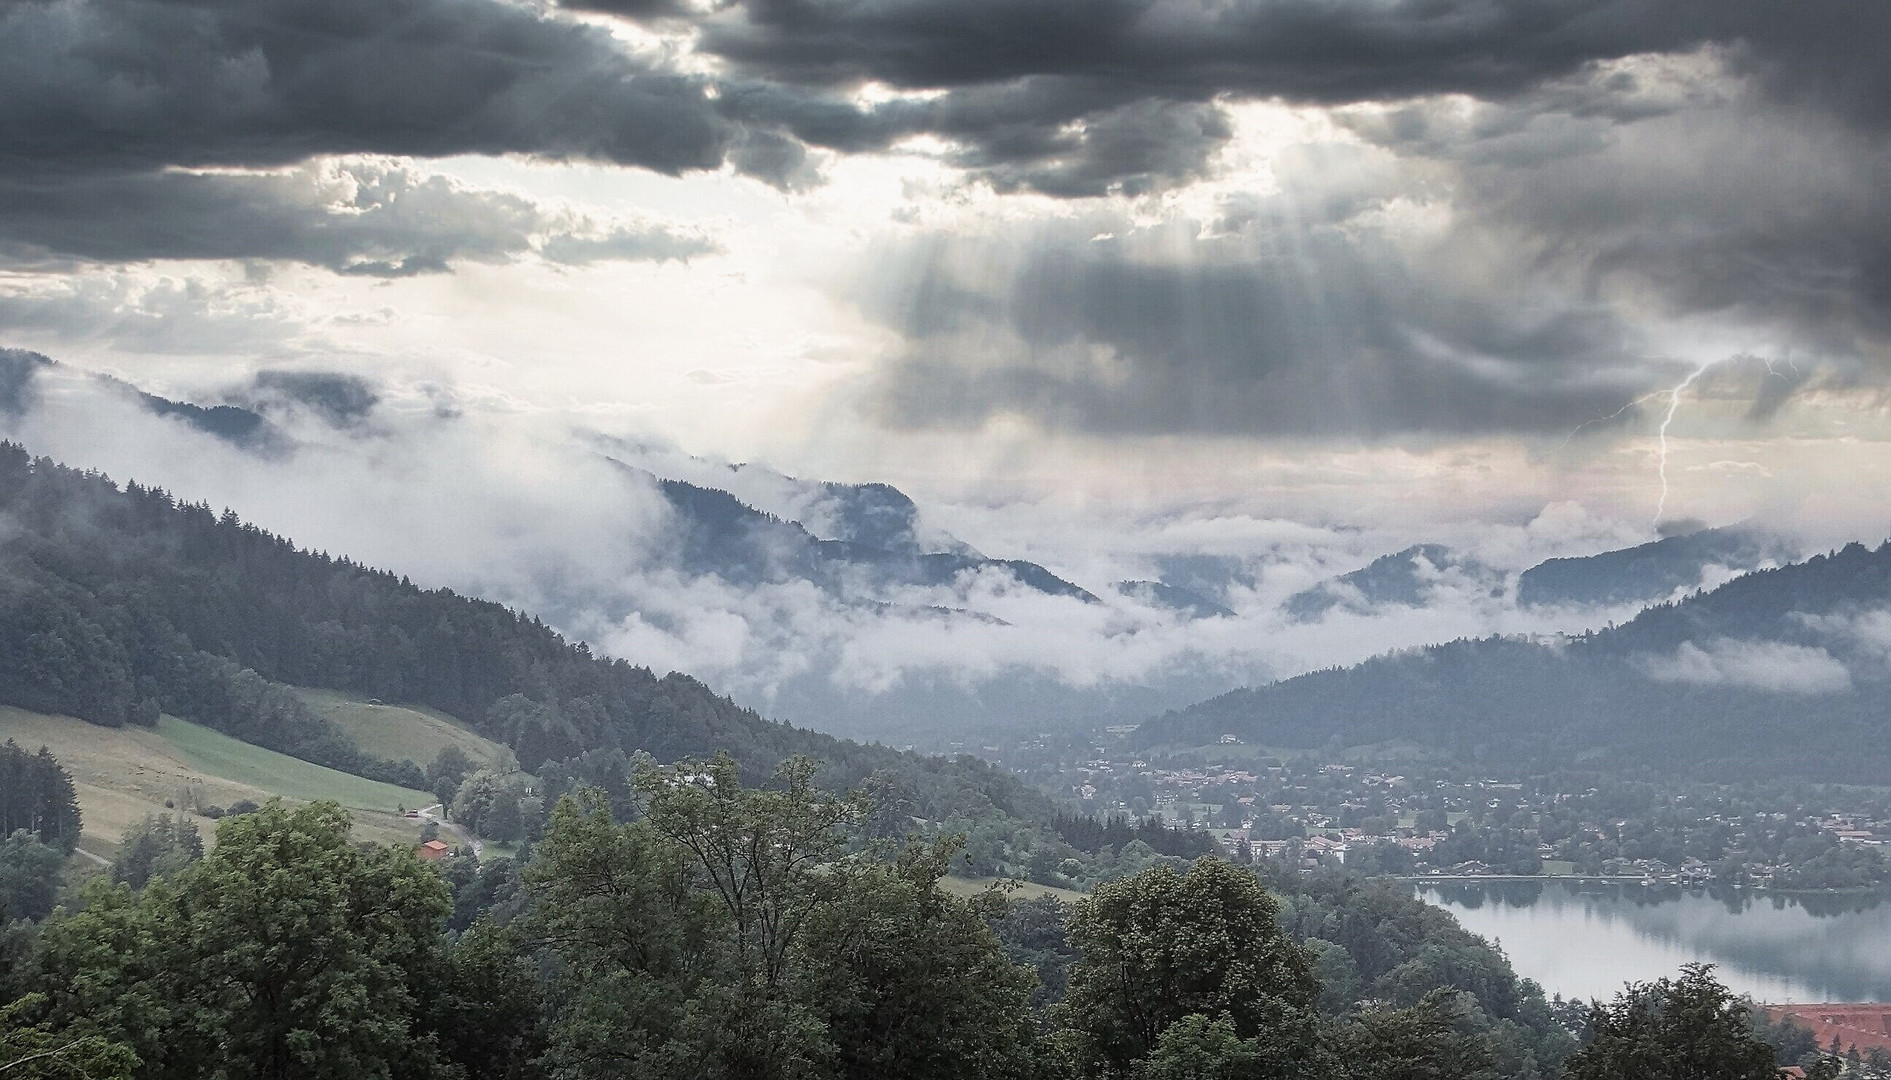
1585 940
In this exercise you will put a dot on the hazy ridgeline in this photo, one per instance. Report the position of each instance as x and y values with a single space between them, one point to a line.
1768 675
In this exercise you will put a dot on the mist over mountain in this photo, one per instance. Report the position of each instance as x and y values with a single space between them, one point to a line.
850 606
1653 571
1656 571
1780 672
1175 598
1401 579
117 604
716 534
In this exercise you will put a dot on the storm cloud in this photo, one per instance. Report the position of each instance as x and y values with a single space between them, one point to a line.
1437 267
1033 90
371 217
122 86
1408 224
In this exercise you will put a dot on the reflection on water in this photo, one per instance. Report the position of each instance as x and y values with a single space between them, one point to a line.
1585 940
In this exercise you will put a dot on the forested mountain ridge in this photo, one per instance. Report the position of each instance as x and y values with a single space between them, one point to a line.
1651 571
1772 672
118 603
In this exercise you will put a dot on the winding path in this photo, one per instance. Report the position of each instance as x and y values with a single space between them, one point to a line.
464 836
99 859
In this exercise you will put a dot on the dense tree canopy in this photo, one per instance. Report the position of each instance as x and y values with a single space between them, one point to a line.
286 952
29 877
158 846
1161 946
1685 1028
729 932
36 794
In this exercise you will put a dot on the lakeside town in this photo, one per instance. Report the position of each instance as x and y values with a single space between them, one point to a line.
1416 818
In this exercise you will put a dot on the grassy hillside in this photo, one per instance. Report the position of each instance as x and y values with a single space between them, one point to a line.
404 732
1029 890
279 774
122 774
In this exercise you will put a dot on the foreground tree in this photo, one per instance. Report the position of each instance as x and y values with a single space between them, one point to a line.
1423 1042
1161 946
912 982
37 1051
730 933
286 952
30 876
1688 1028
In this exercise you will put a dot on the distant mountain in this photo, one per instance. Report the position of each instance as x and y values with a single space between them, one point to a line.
1782 672
119 604
719 534
878 516
1402 579
1650 572
18 370
227 422
873 515
1175 598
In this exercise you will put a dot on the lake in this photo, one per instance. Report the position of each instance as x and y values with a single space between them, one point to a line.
1585 940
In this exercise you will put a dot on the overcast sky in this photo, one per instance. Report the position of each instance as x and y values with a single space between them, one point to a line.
1396 262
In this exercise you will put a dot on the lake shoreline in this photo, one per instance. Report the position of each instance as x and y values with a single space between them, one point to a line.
1585 938
1630 879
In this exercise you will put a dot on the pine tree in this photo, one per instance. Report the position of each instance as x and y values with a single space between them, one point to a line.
36 794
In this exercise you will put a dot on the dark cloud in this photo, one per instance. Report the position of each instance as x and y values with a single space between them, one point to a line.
126 85
1077 97
1776 221
105 99
358 217
1067 97
1314 51
1561 255
1305 50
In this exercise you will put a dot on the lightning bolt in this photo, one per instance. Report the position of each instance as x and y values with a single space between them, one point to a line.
1773 371
1577 430
1674 405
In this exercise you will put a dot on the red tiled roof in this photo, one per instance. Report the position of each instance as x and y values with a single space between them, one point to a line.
1864 1025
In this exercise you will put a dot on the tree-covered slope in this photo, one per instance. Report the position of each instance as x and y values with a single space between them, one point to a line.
1651 571
1781 672
118 603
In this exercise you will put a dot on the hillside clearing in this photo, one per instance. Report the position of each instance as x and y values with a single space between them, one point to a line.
404 732
123 774
280 774
1025 890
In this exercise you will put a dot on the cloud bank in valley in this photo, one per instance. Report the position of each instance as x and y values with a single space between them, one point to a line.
549 519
